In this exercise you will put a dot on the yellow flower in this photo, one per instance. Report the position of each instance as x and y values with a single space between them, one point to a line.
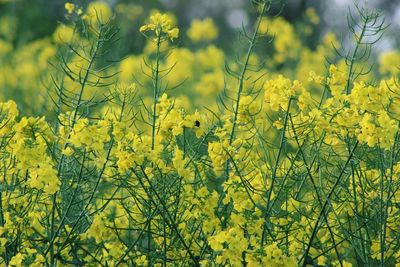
202 30
68 152
278 92
63 34
98 10
181 165
312 15
389 62
162 26
69 7
16 260
174 33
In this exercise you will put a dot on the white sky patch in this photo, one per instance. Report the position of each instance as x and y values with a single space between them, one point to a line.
343 3
396 16
385 44
236 18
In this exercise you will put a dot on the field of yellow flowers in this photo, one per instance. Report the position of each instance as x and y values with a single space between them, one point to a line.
282 154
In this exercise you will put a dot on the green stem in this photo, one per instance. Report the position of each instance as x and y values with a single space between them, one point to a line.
74 119
155 91
327 201
244 70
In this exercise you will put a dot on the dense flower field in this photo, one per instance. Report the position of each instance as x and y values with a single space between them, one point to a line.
282 155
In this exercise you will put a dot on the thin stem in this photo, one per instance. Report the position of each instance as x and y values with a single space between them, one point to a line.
327 201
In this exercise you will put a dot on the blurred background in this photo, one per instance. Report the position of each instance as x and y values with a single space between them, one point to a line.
301 35
26 20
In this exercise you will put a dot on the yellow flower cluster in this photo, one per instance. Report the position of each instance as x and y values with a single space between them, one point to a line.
29 145
161 25
295 164
286 41
389 62
279 91
70 7
98 10
202 30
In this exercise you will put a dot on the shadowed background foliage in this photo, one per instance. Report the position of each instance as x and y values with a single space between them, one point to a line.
33 19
